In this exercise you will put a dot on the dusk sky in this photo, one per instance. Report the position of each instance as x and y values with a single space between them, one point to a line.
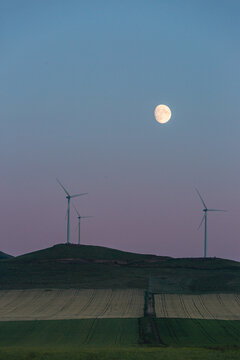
79 81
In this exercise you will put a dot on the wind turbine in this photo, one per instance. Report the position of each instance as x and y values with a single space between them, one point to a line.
79 220
69 197
204 218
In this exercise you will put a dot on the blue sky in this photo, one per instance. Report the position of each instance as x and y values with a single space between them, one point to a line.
79 83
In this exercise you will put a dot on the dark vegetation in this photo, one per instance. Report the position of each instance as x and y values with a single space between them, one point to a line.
4 256
115 353
148 332
87 253
148 328
69 266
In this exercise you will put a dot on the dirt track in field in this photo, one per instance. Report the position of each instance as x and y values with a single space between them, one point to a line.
208 306
55 304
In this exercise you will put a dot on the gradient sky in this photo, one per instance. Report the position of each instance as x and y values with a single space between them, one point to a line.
79 81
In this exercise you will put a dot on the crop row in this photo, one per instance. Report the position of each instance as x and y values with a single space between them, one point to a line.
208 306
38 304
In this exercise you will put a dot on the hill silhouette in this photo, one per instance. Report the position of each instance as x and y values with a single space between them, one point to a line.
85 266
4 256
71 252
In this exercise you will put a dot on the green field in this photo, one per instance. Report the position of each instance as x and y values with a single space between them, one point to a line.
116 333
69 333
199 333
123 353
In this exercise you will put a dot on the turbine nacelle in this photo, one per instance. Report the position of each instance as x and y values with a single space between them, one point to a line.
73 196
79 216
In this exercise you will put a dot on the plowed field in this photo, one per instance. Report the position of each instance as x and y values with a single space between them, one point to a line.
210 306
57 304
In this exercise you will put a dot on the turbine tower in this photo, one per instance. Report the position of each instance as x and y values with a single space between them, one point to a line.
204 218
69 197
79 221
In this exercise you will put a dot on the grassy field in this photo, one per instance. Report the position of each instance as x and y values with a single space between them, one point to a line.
206 306
69 333
118 339
123 353
199 333
117 332
39 304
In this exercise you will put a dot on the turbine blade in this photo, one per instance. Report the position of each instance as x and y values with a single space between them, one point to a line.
216 210
201 222
201 198
76 210
85 217
63 187
76 195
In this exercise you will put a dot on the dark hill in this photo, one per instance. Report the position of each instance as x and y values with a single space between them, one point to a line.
4 256
73 266
73 252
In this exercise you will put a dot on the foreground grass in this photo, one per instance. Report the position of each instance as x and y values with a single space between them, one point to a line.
200 333
120 354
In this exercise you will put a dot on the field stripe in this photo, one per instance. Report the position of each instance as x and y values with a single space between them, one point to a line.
199 332
68 333
207 306
54 304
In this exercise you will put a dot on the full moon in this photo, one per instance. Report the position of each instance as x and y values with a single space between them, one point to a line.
162 113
